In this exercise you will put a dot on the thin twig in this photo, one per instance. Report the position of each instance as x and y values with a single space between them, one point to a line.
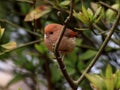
15 25
86 46
58 56
108 6
27 44
104 34
100 50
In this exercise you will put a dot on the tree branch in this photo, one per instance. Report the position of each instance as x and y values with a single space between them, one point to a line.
64 28
58 56
100 50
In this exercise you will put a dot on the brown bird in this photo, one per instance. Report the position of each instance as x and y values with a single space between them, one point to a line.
51 34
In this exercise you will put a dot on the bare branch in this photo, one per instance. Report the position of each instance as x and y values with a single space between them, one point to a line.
58 56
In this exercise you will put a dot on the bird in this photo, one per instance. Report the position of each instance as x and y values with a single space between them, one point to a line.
51 34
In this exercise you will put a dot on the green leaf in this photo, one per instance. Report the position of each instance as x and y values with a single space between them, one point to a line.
99 17
80 16
108 72
37 13
84 10
97 81
109 80
10 45
70 61
79 41
117 79
98 14
71 58
110 14
94 6
41 48
1 31
70 70
83 18
90 14
56 76
87 55
65 3
80 65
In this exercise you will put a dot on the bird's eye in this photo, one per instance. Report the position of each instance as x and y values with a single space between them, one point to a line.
51 32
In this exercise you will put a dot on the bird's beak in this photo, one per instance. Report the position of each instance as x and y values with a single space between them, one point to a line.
46 35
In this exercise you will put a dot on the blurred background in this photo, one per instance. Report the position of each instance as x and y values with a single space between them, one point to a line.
26 64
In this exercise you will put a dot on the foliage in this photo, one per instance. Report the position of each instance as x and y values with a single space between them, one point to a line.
109 81
6 46
88 17
21 41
